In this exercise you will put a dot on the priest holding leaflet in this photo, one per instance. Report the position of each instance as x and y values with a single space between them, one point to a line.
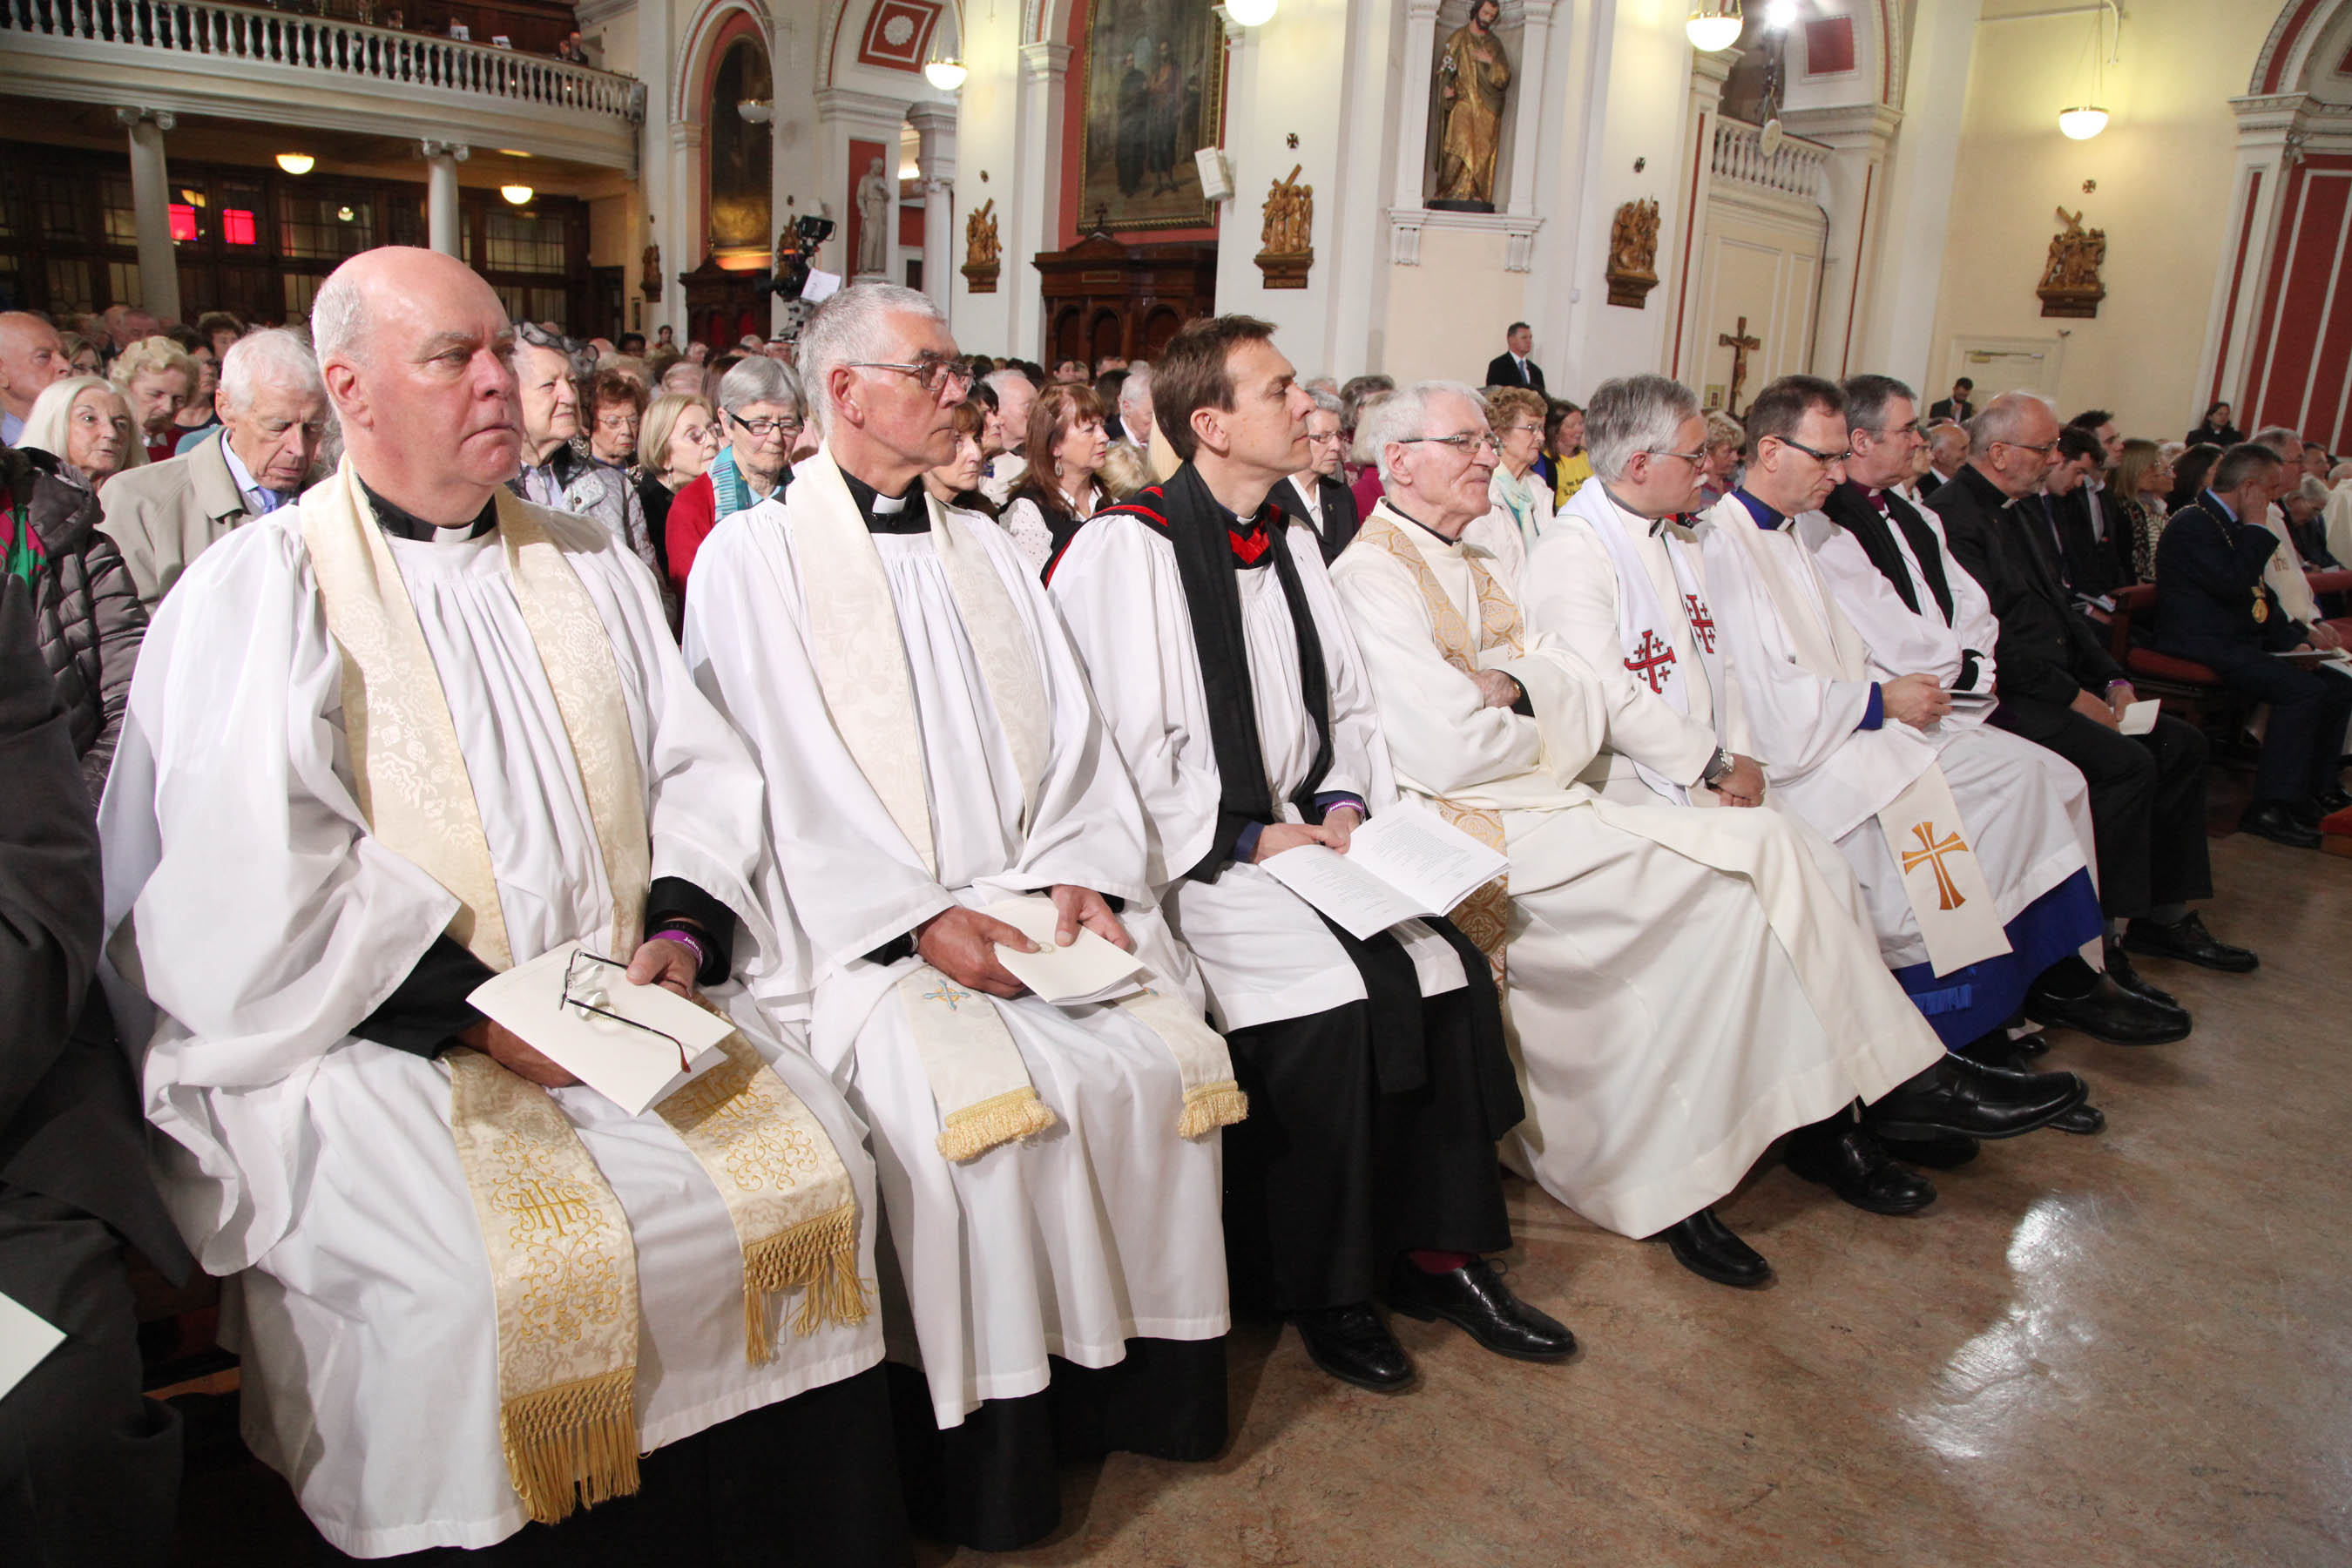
1378 1078
383 745
1051 1170
1681 987
1972 847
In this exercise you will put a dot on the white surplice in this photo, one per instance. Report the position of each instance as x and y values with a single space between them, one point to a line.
1684 986
1900 639
1264 954
1068 1243
318 1170
2026 808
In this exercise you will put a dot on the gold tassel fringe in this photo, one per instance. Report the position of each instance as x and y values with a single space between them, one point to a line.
818 1255
574 1445
1210 1106
977 1129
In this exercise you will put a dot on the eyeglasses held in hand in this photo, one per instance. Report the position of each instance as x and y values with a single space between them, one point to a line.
1464 443
933 371
580 991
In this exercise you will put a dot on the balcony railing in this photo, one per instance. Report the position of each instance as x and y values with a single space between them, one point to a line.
323 43
1793 169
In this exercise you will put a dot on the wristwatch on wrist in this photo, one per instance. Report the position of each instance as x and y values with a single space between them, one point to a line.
1715 770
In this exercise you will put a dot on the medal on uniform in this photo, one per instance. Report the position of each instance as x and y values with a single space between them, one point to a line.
2262 606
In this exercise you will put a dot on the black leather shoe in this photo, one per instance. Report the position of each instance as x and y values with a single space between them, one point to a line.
1704 1245
2187 940
2276 821
1944 1151
1353 1346
2121 969
2082 1119
2029 1046
2108 1012
1958 1095
1854 1165
1474 1299
1996 1049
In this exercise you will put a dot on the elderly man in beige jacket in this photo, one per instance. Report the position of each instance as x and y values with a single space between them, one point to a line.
273 409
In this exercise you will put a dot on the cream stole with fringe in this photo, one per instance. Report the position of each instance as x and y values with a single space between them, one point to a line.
975 1071
563 1264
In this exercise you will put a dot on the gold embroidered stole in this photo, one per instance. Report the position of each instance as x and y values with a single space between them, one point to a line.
563 1264
1484 917
978 1080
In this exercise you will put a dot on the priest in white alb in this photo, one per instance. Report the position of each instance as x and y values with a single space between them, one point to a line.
1050 1172
1378 1078
1681 986
382 746
1973 847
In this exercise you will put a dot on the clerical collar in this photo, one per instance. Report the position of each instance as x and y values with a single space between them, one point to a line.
1764 515
902 513
1432 533
1657 524
1248 541
403 525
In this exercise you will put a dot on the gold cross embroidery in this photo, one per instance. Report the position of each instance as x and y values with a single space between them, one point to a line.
1931 854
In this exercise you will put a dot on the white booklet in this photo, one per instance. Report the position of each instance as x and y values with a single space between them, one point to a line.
1408 861
2140 717
26 1340
1090 969
634 1044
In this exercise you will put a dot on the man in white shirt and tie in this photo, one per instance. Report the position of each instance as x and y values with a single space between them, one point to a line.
273 409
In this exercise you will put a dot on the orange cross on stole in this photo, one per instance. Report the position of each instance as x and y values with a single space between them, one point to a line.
1931 853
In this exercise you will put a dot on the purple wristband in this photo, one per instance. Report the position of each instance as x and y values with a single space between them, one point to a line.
684 939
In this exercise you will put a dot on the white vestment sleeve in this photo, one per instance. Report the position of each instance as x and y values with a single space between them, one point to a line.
1901 640
1569 592
1798 719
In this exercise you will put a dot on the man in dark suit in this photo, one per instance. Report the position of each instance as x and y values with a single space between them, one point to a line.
89 1468
1317 497
2086 562
2212 606
2061 689
1957 407
1513 367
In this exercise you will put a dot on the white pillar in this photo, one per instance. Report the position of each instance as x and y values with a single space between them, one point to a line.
151 202
1855 198
654 176
1412 106
441 220
1895 335
1245 141
935 131
1037 214
1531 78
1682 253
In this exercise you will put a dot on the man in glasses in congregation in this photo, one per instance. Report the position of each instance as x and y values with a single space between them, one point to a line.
1050 1170
383 745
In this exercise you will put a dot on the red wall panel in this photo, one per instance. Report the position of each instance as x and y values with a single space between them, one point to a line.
2303 361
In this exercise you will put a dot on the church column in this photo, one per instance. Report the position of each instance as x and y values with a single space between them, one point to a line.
655 67
441 220
1533 81
935 132
1037 191
1683 238
1895 335
2270 133
1855 199
150 203
688 241
1413 122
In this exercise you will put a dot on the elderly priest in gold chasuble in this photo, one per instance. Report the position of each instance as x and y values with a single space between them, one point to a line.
1050 1169
384 744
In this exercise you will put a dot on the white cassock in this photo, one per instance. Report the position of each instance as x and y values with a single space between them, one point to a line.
1263 953
2027 809
317 1171
1682 986
1068 1243
1898 639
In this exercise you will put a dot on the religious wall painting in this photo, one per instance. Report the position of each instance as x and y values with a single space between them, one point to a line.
1154 96
1471 90
2070 279
740 189
982 253
1633 270
1286 252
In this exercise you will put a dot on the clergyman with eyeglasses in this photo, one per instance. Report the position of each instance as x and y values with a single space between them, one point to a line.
1315 495
760 417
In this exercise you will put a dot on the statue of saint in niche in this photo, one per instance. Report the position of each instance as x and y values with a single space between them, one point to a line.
1473 76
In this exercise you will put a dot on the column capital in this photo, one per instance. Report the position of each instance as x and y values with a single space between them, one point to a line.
458 151
162 119
685 135
1046 62
1234 31
929 118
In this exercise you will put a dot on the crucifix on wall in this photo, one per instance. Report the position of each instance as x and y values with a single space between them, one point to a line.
1740 344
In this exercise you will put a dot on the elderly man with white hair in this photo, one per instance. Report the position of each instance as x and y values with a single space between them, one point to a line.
473 1294
2283 573
1682 986
761 415
1135 408
273 409
1015 395
940 790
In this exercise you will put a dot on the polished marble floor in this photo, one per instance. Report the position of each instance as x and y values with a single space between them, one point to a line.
2129 1349
2134 1349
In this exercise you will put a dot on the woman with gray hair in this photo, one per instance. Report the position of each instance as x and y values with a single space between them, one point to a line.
760 415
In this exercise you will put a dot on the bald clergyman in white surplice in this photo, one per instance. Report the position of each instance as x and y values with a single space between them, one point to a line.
1681 987
1050 1174
381 745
